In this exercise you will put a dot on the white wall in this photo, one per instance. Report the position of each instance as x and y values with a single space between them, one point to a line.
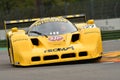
108 24
2 35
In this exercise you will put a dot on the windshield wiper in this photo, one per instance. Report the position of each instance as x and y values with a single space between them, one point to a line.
38 33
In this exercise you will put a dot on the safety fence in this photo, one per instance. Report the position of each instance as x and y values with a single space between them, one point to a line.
3 43
106 35
110 35
94 9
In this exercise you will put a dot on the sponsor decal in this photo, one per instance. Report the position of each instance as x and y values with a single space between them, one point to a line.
19 40
55 38
107 28
91 32
53 19
59 49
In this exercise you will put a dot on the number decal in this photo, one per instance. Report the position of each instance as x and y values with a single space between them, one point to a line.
55 38
89 26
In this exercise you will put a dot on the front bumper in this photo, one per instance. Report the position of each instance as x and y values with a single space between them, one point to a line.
37 56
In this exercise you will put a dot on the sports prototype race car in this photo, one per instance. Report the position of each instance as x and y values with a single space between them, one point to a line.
53 40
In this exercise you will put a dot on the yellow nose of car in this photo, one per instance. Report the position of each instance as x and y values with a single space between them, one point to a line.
53 40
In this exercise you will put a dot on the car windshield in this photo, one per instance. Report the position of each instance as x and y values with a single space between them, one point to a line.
52 28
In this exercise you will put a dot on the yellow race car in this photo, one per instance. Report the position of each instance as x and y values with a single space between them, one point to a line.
52 40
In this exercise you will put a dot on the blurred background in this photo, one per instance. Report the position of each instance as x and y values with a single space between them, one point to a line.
105 12
96 9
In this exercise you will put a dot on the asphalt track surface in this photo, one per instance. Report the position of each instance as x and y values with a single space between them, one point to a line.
78 71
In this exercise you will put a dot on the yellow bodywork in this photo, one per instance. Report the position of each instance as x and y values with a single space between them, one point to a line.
23 51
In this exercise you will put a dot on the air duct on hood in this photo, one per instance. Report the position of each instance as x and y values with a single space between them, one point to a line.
35 41
75 37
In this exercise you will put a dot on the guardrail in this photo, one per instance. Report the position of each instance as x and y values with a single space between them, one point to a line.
110 35
3 43
106 35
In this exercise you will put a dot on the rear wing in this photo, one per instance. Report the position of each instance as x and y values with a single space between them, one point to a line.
69 17
77 16
19 21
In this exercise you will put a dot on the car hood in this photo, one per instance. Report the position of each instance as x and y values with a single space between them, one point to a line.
55 41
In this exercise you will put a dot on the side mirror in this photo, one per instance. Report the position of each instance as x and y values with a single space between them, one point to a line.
15 29
91 21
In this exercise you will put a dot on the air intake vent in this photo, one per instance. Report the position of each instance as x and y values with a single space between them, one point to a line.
70 55
75 37
36 58
51 57
83 53
35 41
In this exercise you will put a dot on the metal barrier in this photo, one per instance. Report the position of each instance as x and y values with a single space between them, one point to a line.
3 43
109 35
